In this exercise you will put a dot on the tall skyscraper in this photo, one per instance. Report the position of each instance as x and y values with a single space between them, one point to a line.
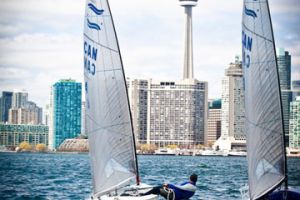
233 109
65 108
188 71
284 68
294 138
213 122
5 105
19 99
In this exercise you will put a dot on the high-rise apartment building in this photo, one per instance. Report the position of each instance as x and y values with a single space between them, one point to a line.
23 116
24 111
169 112
294 137
233 109
138 97
65 112
213 122
177 112
5 105
284 68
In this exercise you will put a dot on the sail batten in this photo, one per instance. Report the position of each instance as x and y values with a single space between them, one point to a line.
108 118
264 125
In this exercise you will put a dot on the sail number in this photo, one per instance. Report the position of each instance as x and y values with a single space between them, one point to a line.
90 58
247 48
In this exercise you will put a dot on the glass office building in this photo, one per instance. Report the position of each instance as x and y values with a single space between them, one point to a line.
284 68
5 105
65 112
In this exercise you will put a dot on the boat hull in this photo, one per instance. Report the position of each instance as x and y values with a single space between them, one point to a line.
289 194
148 197
132 192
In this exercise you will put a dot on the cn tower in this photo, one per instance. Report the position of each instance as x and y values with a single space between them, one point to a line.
188 69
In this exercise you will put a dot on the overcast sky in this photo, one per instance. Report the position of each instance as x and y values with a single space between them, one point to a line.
41 41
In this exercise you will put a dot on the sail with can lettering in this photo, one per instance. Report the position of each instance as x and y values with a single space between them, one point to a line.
108 118
264 120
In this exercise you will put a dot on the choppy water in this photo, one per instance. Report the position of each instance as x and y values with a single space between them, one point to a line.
67 176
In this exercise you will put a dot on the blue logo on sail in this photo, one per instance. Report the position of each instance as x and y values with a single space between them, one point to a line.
93 25
251 13
95 10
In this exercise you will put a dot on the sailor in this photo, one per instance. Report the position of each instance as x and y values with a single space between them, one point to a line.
176 192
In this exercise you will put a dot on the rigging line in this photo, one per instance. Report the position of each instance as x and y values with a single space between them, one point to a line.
100 44
256 33
109 70
263 62
265 122
106 127
96 15
267 129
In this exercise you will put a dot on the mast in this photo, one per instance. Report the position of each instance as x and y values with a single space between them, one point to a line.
281 110
130 114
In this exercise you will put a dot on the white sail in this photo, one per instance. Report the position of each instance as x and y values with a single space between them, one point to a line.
264 125
108 120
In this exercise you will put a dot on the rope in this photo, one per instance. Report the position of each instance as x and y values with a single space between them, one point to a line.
170 191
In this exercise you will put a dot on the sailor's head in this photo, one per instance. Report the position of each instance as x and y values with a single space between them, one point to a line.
193 178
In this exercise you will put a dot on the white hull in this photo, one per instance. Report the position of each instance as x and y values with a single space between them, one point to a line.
237 153
148 197
132 193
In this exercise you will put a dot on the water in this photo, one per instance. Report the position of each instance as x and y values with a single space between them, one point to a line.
67 176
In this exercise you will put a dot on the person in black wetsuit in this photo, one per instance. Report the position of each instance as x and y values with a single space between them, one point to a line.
176 192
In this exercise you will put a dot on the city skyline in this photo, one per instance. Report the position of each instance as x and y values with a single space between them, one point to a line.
41 48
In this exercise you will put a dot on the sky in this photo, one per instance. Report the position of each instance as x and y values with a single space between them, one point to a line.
41 41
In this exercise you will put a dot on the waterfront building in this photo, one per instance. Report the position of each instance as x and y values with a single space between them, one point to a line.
11 135
284 68
233 109
74 145
169 112
5 105
213 122
294 138
177 112
65 112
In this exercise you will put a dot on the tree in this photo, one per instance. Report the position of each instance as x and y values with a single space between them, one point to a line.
148 148
172 146
40 147
25 146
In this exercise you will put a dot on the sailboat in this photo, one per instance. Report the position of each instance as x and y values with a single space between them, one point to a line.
267 167
108 119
